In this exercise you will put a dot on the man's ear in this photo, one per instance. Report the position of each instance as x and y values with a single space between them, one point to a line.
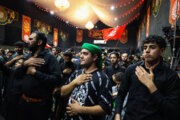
162 50
95 57
40 42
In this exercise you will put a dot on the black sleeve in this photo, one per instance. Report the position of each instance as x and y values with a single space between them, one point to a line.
124 88
105 95
4 69
53 76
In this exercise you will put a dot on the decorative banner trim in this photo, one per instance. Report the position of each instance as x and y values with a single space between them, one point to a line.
55 41
131 10
79 36
172 14
148 19
155 7
113 33
26 28
97 34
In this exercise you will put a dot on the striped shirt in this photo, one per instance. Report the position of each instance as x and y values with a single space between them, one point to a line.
97 91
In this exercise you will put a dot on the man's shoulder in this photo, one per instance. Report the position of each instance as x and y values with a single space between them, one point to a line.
49 54
166 68
25 55
101 74
110 67
133 66
13 56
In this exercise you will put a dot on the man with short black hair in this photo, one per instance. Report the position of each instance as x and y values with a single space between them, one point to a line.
56 52
154 89
124 63
19 46
114 67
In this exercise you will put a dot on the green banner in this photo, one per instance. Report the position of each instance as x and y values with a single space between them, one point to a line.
7 15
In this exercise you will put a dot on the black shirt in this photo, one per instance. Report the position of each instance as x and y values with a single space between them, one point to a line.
95 92
11 85
110 70
42 83
65 65
163 104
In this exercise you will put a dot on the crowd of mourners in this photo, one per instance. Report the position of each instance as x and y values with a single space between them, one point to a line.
49 84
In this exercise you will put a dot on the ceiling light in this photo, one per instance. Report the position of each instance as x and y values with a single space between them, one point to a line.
52 12
62 4
115 18
89 25
82 12
112 7
67 22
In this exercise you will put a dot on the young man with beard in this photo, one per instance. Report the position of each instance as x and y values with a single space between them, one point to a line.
154 89
40 73
89 88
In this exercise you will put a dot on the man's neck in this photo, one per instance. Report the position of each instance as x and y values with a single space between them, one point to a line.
115 65
152 64
36 53
90 69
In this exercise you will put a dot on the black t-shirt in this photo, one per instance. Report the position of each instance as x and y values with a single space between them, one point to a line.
110 70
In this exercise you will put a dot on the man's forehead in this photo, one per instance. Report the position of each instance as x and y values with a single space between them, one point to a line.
33 35
18 46
149 44
85 50
113 55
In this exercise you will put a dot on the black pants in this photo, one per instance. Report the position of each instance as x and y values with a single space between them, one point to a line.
34 110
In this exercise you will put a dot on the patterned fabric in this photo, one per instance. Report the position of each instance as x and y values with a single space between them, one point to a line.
95 92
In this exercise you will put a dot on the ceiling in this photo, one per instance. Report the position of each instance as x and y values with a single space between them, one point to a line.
112 13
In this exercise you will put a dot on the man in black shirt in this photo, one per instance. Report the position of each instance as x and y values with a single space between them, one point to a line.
124 63
67 67
89 88
154 89
40 73
114 67
19 46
